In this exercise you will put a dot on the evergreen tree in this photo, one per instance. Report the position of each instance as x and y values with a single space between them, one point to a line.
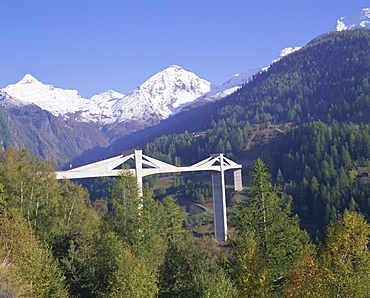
177 273
279 177
272 234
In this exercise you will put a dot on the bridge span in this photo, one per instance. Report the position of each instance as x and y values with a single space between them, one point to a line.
145 166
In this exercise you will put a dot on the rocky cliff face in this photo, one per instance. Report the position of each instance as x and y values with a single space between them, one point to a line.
46 135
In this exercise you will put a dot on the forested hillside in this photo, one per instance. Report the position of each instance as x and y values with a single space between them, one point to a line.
327 79
317 91
321 167
55 242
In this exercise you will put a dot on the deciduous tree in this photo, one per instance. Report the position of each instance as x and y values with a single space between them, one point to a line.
345 257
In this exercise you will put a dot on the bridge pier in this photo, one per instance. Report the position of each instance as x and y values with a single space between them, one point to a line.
219 206
139 170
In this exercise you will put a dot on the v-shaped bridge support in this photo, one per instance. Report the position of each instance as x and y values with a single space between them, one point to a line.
145 165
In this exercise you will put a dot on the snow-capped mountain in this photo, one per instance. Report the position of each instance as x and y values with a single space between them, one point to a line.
104 102
359 19
59 102
160 96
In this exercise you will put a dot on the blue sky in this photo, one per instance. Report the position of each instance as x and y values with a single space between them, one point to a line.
94 46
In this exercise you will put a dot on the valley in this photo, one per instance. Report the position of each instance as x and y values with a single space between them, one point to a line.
299 228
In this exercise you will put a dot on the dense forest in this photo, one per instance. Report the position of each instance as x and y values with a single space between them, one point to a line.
322 168
327 79
55 242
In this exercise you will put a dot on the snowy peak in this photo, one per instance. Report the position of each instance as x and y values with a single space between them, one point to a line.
106 96
241 78
28 79
175 86
55 100
162 95
175 68
176 80
359 19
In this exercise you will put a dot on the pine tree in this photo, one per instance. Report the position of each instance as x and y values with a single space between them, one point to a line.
279 177
176 275
277 238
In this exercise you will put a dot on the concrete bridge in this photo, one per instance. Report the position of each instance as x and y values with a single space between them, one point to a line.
145 165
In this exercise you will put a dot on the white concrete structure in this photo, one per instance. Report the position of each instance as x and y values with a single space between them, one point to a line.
145 165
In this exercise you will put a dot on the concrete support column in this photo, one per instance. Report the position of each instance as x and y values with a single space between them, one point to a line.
219 203
139 170
238 185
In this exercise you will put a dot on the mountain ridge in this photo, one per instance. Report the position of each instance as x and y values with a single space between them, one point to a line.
156 96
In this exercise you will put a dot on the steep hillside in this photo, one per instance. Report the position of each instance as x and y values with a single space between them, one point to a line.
327 79
44 134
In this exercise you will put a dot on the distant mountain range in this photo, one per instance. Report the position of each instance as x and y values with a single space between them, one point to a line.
160 97
107 117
